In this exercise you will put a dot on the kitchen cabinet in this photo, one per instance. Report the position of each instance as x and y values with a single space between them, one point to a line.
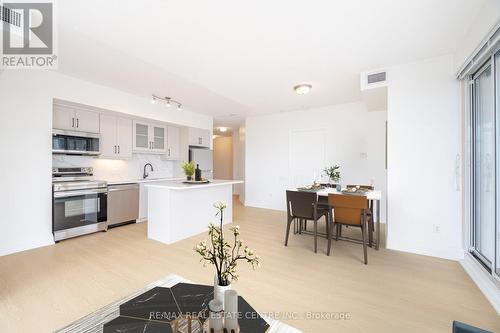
149 138
72 118
116 136
173 143
143 203
199 137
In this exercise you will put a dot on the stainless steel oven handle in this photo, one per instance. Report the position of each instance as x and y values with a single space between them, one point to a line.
67 194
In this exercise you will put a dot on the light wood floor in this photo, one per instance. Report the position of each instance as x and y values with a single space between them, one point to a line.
47 288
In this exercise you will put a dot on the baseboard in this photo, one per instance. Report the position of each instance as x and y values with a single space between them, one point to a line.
483 279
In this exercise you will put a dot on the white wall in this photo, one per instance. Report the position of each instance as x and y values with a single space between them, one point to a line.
350 131
423 141
223 157
488 17
25 132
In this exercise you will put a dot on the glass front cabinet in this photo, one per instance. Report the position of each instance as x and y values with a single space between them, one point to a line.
149 138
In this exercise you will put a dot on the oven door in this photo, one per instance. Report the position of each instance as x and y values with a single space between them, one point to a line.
79 208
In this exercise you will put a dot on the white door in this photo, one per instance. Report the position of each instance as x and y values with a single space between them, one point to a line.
87 121
63 119
108 136
124 137
173 141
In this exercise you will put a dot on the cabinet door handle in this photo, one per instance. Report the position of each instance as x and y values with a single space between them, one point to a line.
77 122
168 151
115 149
72 122
118 149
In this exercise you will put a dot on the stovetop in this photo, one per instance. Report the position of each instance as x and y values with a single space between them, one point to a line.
75 178
77 185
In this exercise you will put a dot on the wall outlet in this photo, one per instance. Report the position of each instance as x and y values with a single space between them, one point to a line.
436 228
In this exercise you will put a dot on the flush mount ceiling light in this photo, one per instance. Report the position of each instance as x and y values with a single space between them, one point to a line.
222 129
167 100
302 89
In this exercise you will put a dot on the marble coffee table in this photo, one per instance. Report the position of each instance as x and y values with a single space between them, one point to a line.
162 304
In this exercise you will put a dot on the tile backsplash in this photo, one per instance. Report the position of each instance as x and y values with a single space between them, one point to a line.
112 170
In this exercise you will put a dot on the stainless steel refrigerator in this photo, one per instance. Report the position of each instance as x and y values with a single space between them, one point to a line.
204 158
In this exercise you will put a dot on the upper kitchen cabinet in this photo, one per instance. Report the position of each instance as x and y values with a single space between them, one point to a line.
173 143
73 118
149 138
199 137
116 137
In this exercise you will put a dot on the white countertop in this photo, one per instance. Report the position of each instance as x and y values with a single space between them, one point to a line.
139 181
179 185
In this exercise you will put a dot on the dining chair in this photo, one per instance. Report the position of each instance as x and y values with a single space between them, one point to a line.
352 211
303 205
370 212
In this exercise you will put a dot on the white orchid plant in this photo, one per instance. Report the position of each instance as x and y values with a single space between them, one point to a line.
223 255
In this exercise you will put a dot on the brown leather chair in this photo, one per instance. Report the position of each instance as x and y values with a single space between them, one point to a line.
352 211
304 206
370 212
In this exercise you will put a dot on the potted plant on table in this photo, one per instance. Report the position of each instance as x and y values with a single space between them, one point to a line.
224 255
188 168
333 174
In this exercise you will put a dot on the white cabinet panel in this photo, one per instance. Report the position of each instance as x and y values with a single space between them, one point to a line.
143 203
159 136
108 136
116 136
87 121
141 137
63 119
173 142
149 138
124 137
72 118
199 137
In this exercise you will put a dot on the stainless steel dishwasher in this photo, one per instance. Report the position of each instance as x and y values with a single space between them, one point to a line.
123 204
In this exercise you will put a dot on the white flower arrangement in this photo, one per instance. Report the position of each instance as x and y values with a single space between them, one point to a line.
223 255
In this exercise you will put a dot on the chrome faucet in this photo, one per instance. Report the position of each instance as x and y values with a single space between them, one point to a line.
145 174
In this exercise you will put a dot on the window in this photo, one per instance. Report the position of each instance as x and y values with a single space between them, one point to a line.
485 164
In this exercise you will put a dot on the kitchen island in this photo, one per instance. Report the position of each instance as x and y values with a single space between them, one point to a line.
177 210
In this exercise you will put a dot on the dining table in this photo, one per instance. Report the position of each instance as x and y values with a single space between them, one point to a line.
373 196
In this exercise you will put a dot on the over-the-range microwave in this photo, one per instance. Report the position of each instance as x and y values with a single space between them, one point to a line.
75 143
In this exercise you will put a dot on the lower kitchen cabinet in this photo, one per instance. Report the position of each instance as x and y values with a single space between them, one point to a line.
143 203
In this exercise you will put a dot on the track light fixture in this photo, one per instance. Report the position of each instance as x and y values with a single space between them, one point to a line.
167 100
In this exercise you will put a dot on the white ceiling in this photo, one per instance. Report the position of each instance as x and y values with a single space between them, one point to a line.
233 58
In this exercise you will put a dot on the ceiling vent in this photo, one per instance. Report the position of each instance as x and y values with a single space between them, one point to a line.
9 16
373 79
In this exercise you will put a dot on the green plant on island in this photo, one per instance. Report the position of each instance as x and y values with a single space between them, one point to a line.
188 168
333 173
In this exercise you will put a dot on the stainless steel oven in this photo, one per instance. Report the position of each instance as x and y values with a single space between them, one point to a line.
80 204
75 143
